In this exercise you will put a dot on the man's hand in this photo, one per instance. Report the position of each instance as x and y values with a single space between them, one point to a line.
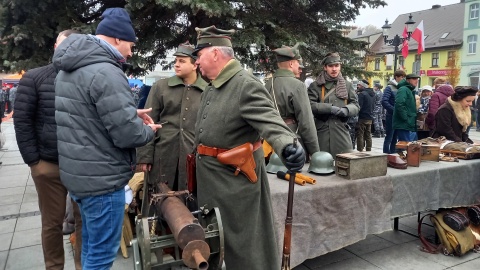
145 167
343 112
155 127
143 113
295 156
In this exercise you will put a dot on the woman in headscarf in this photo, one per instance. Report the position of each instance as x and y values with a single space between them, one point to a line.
454 116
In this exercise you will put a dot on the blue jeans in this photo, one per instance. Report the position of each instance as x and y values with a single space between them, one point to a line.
102 218
406 135
390 136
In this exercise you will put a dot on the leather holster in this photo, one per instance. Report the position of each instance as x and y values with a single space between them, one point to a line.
241 158
191 173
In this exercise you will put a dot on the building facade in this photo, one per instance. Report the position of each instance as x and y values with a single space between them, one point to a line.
470 60
443 47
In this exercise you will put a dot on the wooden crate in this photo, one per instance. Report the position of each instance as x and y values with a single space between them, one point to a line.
361 165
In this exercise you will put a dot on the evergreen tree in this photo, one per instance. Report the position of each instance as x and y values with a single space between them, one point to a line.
30 28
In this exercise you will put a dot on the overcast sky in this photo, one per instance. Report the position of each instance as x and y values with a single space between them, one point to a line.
393 9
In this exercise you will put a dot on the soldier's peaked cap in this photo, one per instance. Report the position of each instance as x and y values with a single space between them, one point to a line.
286 53
212 36
185 49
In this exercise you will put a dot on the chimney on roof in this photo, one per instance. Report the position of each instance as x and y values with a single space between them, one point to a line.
436 6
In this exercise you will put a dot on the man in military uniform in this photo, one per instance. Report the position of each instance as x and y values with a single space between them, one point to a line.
378 112
290 97
175 101
236 109
333 101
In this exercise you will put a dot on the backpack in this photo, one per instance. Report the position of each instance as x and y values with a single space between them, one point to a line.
456 233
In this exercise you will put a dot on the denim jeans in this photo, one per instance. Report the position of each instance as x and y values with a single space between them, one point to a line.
102 218
390 136
406 135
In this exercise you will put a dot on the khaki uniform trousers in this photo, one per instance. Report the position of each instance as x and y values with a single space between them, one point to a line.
52 202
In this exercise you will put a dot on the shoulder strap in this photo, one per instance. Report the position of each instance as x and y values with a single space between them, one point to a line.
274 98
426 245
323 97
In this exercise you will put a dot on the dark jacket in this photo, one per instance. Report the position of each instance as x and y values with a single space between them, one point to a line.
366 100
143 95
97 123
405 111
446 124
35 127
438 99
388 98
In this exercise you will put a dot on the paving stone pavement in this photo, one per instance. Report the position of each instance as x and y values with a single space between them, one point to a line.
20 247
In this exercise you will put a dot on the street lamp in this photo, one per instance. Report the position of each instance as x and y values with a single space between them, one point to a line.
397 40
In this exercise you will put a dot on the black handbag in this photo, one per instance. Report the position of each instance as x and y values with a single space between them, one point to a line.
456 220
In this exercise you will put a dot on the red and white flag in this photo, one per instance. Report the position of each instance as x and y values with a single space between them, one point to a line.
405 43
419 36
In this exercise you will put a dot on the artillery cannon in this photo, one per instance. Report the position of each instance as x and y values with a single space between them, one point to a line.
194 242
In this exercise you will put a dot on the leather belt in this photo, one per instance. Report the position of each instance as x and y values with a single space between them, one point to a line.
214 151
289 121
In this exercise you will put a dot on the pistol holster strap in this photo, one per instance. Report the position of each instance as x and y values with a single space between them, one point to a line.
214 151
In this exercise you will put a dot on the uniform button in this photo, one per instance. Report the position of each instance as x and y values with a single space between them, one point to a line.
201 130
199 157
181 129
188 98
186 109
208 102
204 116
184 119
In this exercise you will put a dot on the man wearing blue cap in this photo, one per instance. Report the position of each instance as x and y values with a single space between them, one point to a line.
175 100
98 128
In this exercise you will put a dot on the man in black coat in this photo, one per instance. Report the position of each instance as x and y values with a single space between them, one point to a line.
366 100
35 130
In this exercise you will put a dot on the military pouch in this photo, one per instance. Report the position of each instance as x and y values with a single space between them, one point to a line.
241 158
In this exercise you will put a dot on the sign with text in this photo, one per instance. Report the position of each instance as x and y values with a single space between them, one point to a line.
438 72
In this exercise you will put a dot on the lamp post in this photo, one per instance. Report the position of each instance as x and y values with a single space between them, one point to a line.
397 40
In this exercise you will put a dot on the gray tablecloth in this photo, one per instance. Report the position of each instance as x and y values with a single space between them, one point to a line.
332 214
335 212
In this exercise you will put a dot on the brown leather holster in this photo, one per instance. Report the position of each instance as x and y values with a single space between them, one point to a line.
241 158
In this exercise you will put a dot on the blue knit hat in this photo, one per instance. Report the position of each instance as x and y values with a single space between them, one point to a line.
116 23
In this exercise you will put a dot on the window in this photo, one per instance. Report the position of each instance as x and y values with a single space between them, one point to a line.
474 11
418 58
445 35
434 59
472 44
401 62
377 63
474 79
451 58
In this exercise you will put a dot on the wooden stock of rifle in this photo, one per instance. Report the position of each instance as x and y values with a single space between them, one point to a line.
287 236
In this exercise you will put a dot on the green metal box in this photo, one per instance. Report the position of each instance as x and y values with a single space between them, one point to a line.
359 165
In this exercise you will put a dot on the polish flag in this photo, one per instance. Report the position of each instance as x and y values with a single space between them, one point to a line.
419 36
405 43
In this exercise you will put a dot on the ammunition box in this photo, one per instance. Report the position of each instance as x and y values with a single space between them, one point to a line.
360 165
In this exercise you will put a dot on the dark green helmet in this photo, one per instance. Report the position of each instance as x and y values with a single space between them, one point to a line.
275 164
321 163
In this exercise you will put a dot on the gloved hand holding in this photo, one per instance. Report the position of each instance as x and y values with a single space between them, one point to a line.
334 110
295 157
342 112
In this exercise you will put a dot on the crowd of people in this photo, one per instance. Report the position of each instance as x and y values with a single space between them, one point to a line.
82 132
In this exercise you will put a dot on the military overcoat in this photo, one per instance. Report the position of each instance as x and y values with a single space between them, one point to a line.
173 101
235 109
290 97
332 131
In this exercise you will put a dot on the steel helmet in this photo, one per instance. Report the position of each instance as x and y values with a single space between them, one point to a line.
321 163
275 164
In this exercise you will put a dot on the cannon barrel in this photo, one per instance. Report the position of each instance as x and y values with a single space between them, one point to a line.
188 233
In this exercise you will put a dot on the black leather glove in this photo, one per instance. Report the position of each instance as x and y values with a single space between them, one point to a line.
342 112
334 110
295 157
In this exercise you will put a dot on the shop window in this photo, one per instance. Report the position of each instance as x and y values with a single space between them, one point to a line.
434 59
